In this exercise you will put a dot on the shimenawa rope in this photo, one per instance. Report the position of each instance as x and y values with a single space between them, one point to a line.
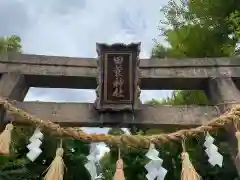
125 140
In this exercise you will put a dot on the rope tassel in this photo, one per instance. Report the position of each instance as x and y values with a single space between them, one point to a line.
56 169
5 140
188 171
119 174
237 134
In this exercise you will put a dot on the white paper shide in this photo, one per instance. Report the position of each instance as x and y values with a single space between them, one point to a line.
154 167
215 158
92 160
34 146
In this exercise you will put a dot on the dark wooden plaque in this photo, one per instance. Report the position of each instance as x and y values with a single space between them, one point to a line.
118 86
118 77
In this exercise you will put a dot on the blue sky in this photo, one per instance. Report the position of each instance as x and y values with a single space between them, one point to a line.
72 28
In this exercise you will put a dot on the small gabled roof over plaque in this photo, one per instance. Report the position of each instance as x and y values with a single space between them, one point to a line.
134 47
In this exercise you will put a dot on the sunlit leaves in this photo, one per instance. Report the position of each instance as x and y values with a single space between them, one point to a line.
234 20
9 44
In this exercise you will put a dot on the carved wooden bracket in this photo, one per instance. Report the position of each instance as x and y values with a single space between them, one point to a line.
118 78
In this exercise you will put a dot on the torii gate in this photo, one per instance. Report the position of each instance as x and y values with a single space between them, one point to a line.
218 77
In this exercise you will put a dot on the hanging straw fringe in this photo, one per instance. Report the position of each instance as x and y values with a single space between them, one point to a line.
56 169
119 174
5 140
188 171
237 134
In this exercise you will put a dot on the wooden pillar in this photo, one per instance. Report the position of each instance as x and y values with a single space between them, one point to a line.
224 93
12 87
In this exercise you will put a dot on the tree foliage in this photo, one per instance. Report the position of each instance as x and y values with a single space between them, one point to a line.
234 20
10 44
195 28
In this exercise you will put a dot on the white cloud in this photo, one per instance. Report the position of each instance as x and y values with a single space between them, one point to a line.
72 28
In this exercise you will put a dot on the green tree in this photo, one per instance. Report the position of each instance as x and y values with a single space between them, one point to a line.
18 167
234 23
201 29
10 44
14 165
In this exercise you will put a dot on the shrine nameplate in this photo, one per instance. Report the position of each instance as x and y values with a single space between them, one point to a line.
118 77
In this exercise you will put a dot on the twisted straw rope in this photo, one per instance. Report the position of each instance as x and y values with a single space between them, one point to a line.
126 140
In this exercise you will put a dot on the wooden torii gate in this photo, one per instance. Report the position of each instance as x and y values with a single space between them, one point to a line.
218 77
